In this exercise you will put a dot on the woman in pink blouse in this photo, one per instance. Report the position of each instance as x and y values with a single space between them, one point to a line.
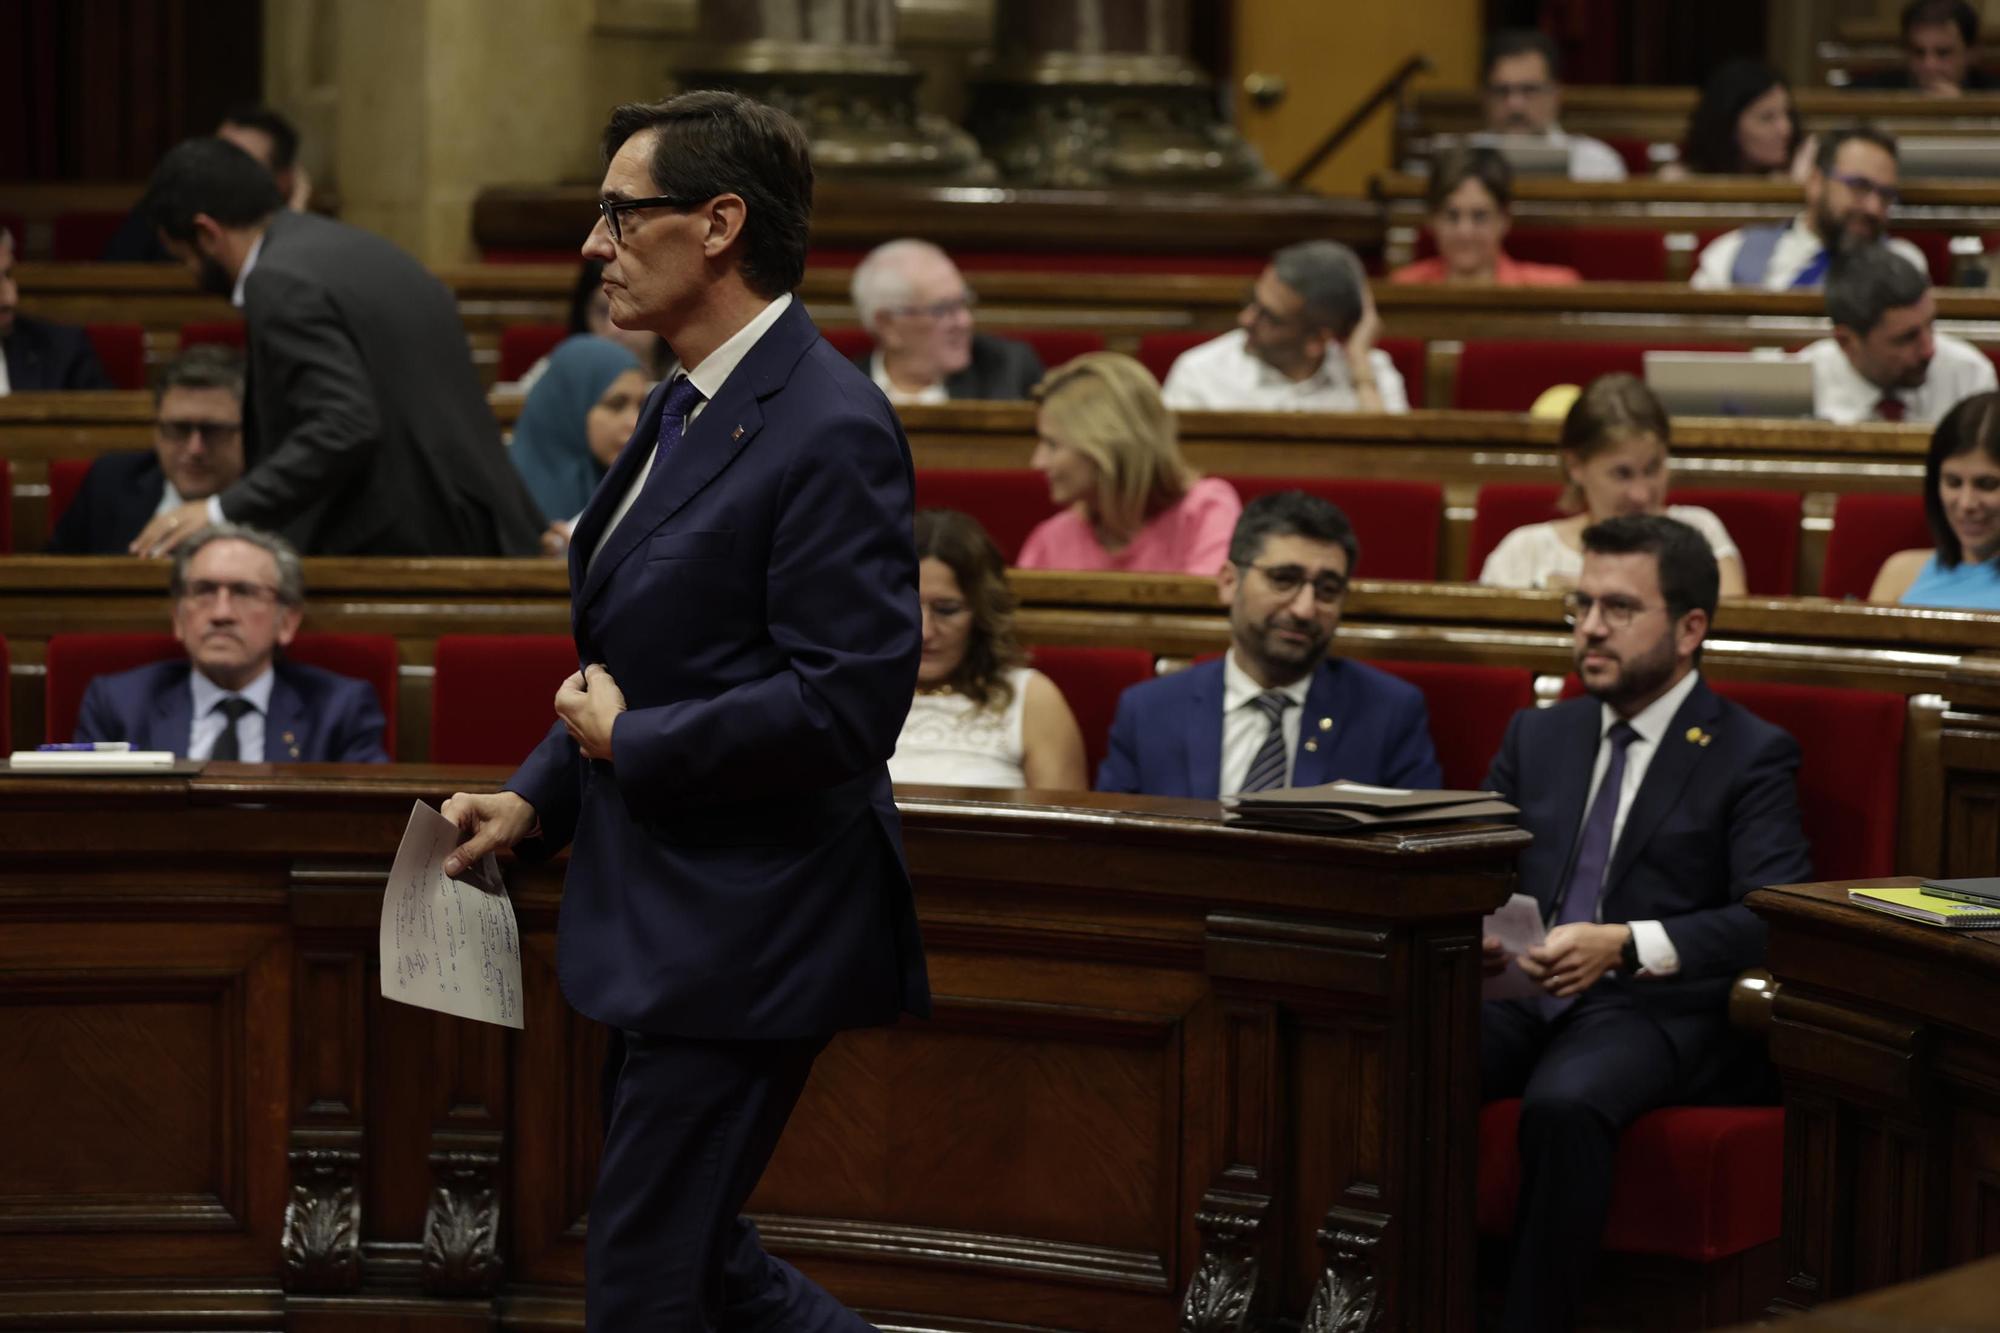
1106 443
1470 200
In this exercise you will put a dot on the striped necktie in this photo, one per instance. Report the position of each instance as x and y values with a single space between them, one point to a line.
1267 767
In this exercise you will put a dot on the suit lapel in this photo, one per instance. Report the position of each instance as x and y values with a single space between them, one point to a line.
1570 771
1673 763
172 716
1313 760
287 728
1204 732
590 523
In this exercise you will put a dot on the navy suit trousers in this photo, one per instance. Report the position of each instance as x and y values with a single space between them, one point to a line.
690 1127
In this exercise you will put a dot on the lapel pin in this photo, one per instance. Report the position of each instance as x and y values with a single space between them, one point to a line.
295 752
736 434
1326 724
1696 736
1312 745
289 738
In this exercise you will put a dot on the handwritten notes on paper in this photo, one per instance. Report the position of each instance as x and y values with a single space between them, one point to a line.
449 945
1518 924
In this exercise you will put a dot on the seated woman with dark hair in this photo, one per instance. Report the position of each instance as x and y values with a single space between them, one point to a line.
1470 200
1962 506
1744 125
980 718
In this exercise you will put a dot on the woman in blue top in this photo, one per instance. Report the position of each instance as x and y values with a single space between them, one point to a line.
578 416
1962 505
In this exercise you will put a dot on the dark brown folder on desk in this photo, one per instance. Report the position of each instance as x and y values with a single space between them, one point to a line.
1338 807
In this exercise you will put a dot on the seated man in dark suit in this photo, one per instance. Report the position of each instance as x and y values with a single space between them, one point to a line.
1275 711
1656 806
40 355
197 450
238 597
914 302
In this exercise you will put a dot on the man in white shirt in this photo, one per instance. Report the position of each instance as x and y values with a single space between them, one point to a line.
1848 195
914 303
1304 342
1885 360
1524 96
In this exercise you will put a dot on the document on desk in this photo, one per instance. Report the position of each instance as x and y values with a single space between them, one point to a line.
1518 923
449 944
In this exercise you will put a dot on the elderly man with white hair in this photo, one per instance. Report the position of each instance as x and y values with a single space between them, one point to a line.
914 302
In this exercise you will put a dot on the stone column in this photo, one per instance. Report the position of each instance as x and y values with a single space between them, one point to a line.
833 65
1094 93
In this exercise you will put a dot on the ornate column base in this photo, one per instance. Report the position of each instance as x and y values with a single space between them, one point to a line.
1347 1297
462 1224
322 1236
1223 1291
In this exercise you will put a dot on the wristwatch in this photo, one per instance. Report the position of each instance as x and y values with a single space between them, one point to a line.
1629 959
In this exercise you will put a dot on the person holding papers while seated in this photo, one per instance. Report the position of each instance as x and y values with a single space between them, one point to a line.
1275 710
1614 461
238 597
1848 194
981 717
1471 192
1886 361
1106 444
1962 506
1655 806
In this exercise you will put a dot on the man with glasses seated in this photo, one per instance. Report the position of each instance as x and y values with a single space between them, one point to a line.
915 305
1304 342
197 451
1523 92
1655 805
1275 710
238 597
1849 194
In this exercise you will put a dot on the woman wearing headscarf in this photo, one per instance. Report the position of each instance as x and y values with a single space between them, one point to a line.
577 417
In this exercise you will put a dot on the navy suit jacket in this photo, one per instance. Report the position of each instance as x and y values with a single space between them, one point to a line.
1167 737
1005 369
331 719
120 493
41 355
738 868
1709 823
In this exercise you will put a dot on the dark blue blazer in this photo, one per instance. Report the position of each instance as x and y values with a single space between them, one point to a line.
331 719
42 355
737 869
1167 737
119 496
1710 823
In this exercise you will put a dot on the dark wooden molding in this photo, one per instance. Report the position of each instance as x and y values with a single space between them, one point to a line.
322 1237
462 1225
1223 1294
1347 1296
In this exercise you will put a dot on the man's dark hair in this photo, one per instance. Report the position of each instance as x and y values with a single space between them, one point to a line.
1688 575
203 366
1831 141
1924 13
1973 424
1291 514
284 136
1488 166
1509 42
1865 284
1329 278
712 142
212 176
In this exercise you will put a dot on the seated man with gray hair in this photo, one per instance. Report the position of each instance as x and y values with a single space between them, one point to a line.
1885 360
238 597
915 305
1304 342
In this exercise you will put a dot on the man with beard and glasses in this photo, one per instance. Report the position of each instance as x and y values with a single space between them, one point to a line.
1886 361
366 430
1523 94
1275 710
35 354
1849 194
1656 807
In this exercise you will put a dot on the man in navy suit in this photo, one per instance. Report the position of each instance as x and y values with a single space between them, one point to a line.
197 451
1275 711
35 354
238 597
1656 806
745 607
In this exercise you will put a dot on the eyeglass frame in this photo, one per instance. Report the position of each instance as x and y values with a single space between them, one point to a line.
611 208
202 592
939 310
180 432
1271 576
1891 195
1577 607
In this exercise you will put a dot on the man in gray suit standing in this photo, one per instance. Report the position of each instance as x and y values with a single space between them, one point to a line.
366 428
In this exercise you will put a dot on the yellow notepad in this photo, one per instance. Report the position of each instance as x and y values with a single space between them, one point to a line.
1917 905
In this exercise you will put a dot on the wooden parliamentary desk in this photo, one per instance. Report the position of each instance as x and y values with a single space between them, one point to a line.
1179 1074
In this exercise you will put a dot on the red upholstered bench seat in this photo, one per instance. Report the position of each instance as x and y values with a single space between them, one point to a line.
1693 1182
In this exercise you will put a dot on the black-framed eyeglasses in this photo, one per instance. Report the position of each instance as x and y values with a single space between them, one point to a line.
1861 185
215 432
938 310
1618 612
203 592
1286 580
611 208
1500 92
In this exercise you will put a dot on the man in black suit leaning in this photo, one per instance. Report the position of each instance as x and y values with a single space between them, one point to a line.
35 354
367 430
1656 806
197 450
915 305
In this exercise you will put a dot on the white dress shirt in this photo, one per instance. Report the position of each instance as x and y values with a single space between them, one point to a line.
1656 951
930 394
708 377
1799 246
1589 159
1841 394
1536 556
205 729
1223 375
1244 725
6 382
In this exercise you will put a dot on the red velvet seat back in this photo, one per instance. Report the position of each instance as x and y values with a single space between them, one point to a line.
1091 679
1408 354
6 703
80 238
1008 504
1055 346
1503 506
369 657
6 508
1469 708
1398 523
493 695
849 341
1508 375
1765 527
65 480
215 333
1936 245
121 350
1600 254
521 345
1159 351
1868 529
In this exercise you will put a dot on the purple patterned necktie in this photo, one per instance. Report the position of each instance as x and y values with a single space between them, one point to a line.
682 398
1593 850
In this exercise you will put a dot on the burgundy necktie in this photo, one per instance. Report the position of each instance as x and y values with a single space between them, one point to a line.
1891 408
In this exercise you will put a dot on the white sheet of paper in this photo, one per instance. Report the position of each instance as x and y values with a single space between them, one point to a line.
449 945
1518 924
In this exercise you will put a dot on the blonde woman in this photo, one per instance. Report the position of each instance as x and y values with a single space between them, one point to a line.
1106 443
